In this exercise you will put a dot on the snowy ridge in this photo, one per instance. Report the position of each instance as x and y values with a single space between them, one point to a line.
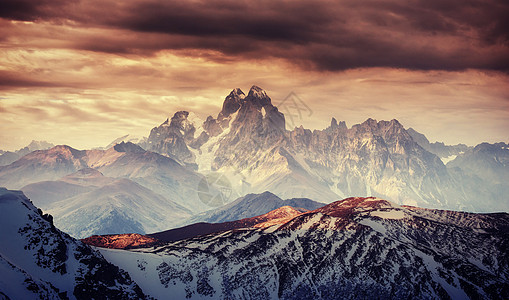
39 261
349 249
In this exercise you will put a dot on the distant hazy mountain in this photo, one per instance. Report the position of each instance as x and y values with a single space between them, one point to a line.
8 157
445 152
158 173
484 171
251 205
128 138
87 203
487 161
42 165
38 261
357 248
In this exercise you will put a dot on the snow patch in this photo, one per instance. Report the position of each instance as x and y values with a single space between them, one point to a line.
449 158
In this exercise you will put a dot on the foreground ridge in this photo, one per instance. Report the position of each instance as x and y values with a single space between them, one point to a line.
347 249
38 261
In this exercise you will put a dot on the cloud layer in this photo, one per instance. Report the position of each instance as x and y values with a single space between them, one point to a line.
323 35
85 72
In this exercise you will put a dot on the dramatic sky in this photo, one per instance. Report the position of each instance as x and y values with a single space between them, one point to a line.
85 72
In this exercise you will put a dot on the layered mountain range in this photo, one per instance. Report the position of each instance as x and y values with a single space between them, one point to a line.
171 178
120 190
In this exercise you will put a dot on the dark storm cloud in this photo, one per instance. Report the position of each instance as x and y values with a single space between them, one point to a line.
326 35
32 10
11 79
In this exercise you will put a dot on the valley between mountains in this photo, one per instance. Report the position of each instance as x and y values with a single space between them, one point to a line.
238 206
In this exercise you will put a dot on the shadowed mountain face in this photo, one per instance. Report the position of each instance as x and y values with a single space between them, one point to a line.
277 216
348 249
121 241
126 241
38 261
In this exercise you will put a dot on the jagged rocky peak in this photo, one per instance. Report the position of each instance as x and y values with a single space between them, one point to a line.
181 122
258 114
212 127
388 130
170 138
334 125
258 97
369 124
231 103
179 125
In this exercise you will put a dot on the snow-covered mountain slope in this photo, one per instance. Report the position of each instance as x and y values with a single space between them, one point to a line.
350 249
38 261
249 145
249 206
96 204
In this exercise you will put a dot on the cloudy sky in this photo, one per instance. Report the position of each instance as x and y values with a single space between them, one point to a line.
85 72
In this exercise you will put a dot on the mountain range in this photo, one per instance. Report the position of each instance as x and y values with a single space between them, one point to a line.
352 248
249 144
8 157
189 170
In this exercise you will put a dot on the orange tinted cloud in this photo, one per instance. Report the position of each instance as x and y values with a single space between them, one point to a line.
86 72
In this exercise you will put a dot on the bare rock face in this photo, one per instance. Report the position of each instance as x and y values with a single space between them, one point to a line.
121 241
172 136
231 105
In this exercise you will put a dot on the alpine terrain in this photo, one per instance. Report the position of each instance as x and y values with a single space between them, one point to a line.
38 261
349 249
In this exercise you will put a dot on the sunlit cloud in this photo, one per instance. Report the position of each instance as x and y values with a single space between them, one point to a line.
85 72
